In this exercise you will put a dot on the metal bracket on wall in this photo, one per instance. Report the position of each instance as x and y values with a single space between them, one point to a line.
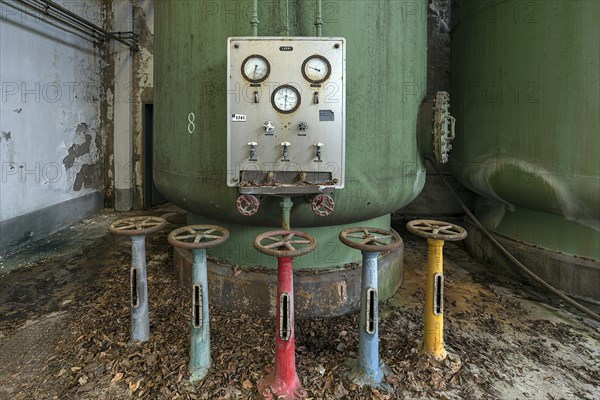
443 127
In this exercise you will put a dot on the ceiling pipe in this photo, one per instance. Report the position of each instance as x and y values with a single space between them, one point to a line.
74 21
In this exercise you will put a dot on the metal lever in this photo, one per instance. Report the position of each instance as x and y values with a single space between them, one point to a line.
286 152
316 98
319 146
252 150
256 96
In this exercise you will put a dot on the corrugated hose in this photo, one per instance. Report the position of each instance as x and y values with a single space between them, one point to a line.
516 262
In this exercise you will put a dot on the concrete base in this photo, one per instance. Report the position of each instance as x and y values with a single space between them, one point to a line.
322 293
123 199
576 276
21 231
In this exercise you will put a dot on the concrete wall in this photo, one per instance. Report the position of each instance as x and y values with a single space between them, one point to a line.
127 91
143 90
51 148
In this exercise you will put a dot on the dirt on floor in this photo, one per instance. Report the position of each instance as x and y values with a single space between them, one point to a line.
64 331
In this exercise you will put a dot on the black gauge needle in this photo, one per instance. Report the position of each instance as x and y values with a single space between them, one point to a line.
316 69
255 68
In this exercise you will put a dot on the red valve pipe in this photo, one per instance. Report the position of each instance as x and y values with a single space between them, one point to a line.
283 382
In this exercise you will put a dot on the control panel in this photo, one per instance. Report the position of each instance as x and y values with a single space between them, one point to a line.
286 103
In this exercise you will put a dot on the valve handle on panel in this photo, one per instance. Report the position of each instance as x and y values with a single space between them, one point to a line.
247 205
319 147
286 150
323 205
252 151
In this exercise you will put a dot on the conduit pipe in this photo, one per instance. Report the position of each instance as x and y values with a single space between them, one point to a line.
63 16
254 22
319 18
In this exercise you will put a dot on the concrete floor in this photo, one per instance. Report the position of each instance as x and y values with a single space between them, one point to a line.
64 324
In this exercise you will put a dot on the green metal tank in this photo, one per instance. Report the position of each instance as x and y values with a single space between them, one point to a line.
526 79
386 83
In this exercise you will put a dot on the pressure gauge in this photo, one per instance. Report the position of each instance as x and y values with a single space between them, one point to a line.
316 69
256 68
286 99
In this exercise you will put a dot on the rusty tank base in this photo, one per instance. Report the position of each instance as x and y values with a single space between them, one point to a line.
322 293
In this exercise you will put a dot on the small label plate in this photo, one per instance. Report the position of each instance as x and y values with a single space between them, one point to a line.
326 115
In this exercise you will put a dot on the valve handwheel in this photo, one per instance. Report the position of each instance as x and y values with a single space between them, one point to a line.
323 205
370 239
137 226
248 205
439 230
285 243
198 236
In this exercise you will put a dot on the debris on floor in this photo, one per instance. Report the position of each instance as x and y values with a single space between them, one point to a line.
64 331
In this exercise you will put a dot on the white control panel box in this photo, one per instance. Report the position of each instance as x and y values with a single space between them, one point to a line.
286 123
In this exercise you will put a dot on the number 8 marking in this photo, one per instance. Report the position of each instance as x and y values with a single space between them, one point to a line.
191 125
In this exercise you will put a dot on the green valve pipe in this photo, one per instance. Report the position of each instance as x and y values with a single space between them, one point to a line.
198 238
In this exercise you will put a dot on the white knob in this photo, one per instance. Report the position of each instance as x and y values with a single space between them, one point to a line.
269 126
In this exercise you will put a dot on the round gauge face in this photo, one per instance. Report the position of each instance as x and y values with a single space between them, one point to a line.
286 99
316 69
256 68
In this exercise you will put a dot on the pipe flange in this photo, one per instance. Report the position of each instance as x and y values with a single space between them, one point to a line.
439 230
285 243
137 226
373 240
198 236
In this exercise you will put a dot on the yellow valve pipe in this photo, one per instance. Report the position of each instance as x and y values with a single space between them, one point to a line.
433 338
436 233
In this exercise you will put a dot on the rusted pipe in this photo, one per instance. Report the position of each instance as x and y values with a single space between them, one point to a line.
286 209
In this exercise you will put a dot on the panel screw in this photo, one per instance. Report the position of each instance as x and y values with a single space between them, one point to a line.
337 45
237 46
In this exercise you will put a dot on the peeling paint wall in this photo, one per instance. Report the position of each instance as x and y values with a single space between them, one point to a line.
51 145
127 89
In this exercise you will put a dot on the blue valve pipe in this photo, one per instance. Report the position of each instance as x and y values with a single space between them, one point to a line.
367 370
200 360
